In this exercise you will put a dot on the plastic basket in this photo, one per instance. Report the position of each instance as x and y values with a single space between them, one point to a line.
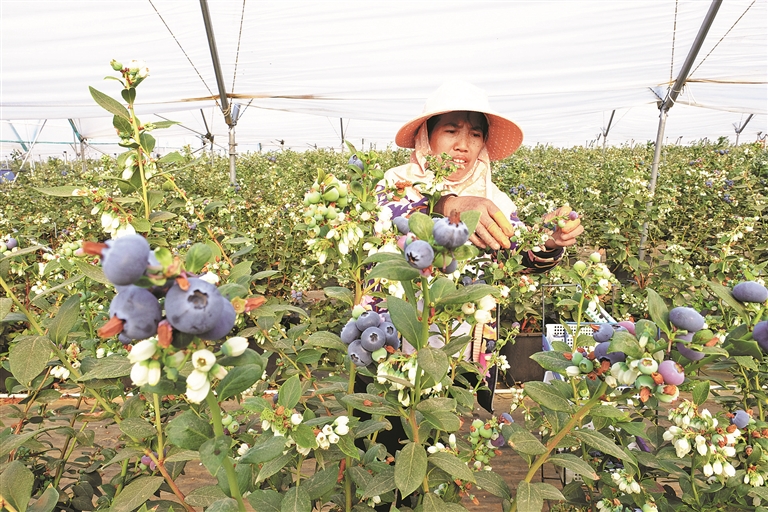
557 332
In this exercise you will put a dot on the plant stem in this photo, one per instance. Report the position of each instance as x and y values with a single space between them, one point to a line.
348 459
554 441
159 425
169 479
140 161
218 429
30 318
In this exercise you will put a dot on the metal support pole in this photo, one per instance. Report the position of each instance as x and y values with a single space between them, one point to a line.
222 90
607 129
668 103
739 129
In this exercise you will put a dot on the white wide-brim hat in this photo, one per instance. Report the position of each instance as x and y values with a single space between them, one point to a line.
504 136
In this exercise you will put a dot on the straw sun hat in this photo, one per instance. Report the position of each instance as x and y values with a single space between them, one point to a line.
504 136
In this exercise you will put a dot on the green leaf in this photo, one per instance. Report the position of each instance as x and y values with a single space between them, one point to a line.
420 225
434 362
213 452
296 500
129 95
410 467
451 464
623 341
547 395
5 307
264 451
325 339
377 405
141 225
122 124
10 442
528 498
147 142
440 413
347 446
601 442
109 104
16 485
290 392
63 191
92 272
189 431
574 463
46 502
725 295
265 500
405 318
551 360
394 270
471 293
223 505
29 357
273 466
548 491
161 216
339 293
110 367
607 411
433 503
137 428
700 392
238 379
136 493
471 218
381 483
206 496
323 482
521 440
64 320
658 311
494 484
197 256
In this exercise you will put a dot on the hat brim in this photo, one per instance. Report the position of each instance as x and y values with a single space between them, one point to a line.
504 136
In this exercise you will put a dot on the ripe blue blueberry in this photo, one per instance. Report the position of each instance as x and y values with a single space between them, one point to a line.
354 160
125 259
750 291
225 322
686 318
196 310
367 319
139 310
390 332
605 333
760 334
358 354
401 223
350 332
450 232
372 339
740 418
11 243
419 254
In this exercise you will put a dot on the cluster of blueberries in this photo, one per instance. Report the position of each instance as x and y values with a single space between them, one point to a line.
192 305
367 337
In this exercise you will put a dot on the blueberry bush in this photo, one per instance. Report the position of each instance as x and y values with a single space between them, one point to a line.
275 330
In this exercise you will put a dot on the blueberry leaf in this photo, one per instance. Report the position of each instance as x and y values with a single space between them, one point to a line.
197 256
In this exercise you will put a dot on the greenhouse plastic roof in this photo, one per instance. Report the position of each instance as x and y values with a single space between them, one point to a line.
563 70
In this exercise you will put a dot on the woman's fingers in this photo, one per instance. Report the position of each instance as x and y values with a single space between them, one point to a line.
503 223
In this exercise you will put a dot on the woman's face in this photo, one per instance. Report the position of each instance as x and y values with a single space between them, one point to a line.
460 134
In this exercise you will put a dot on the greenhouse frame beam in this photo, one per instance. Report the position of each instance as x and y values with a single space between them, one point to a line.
225 108
82 143
740 129
668 103
23 144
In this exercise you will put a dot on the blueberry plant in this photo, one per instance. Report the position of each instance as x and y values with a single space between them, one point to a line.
181 320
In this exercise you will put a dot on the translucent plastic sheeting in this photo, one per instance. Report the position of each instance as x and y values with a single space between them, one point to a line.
558 68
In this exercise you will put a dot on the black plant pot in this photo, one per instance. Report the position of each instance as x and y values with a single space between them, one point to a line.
522 367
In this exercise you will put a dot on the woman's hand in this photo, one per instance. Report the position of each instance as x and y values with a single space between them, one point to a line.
493 230
565 236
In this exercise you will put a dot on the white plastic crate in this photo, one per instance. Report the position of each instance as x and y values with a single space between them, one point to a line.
557 332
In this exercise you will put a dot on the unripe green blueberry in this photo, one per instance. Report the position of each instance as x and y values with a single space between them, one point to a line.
579 266
595 257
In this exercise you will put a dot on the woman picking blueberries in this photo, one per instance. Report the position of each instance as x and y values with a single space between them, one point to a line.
458 120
